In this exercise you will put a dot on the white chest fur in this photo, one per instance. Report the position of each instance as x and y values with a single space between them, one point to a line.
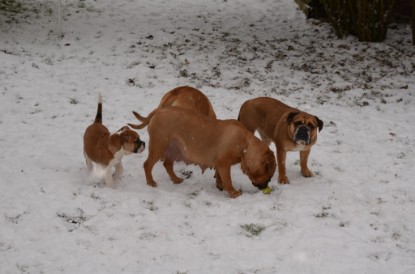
100 170
299 148
118 156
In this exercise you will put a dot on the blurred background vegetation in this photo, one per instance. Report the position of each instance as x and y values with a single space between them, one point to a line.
18 11
368 20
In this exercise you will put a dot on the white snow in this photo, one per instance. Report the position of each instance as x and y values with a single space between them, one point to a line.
357 215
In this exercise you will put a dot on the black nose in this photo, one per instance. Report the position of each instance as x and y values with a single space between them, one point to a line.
261 185
302 133
140 143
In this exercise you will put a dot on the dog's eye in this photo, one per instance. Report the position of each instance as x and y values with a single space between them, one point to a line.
297 124
138 141
311 126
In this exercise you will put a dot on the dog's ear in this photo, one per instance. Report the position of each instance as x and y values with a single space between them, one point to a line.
291 116
123 128
319 123
271 164
115 143
243 165
126 137
267 167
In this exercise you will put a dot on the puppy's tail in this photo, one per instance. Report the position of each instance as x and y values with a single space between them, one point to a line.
98 117
144 120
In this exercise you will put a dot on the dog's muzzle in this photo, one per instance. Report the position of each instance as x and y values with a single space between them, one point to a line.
262 185
140 146
302 135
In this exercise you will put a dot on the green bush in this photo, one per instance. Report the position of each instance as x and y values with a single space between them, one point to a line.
22 11
368 19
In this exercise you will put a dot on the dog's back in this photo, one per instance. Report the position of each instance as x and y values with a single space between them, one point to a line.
188 98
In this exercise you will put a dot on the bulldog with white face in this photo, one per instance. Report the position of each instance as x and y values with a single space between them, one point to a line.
104 151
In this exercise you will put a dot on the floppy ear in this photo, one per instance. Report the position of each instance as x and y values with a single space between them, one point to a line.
271 164
243 165
123 128
291 117
320 124
115 143
267 166
125 137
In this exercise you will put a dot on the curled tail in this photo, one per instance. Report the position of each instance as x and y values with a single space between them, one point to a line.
98 117
144 120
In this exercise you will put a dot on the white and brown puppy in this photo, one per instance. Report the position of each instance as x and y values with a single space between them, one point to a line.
178 134
289 128
103 150
188 98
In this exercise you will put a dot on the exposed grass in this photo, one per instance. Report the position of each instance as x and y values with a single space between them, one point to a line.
11 6
252 230
20 11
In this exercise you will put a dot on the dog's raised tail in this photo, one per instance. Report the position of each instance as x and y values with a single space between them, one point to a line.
144 120
98 117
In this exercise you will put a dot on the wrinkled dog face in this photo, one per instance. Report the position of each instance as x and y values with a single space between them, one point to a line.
131 141
303 127
258 163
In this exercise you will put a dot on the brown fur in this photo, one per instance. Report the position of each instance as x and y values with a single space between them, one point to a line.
278 123
189 98
177 134
107 150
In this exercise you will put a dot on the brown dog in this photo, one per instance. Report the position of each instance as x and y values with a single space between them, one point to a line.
189 98
289 128
177 134
104 151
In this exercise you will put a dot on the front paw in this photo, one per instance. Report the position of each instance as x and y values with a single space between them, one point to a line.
117 174
110 183
234 193
307 173
152 184
219 184
177 180
283 180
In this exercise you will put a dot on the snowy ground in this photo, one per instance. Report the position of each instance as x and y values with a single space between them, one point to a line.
357 215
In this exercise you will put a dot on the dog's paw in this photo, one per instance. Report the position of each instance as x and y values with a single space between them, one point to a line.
283 180
177 180
152 184
307 173
234 193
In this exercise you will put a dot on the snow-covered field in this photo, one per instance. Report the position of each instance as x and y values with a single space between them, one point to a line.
357 215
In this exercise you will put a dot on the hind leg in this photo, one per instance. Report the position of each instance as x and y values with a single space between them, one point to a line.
168 165
264 138
88 162
154 155
148 168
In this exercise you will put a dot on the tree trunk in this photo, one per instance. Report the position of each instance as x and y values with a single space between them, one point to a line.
413 22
